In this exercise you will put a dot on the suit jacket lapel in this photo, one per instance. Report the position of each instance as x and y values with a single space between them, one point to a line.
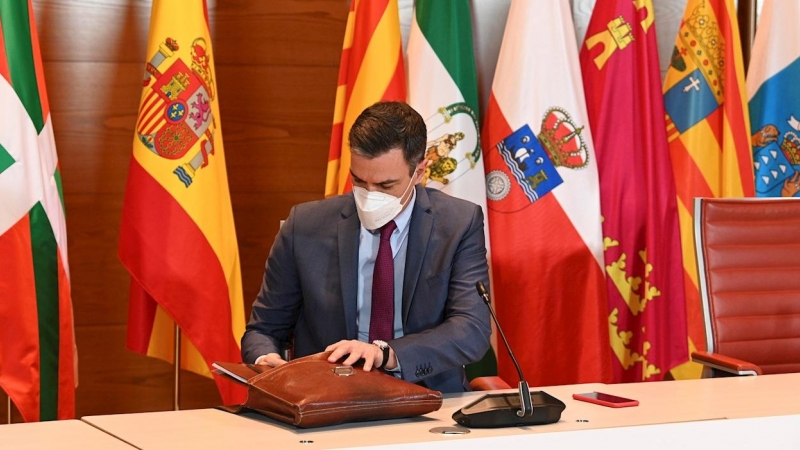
419 233
348 233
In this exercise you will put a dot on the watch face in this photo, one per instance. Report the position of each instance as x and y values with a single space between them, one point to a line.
381 344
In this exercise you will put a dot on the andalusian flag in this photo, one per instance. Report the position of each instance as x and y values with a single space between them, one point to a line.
443 88
38 363
371 70
708 132
177 238
774 92
544 203
641 236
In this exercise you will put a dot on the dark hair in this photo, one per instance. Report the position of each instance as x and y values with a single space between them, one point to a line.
388 125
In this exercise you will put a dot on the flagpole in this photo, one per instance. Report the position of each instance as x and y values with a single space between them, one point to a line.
177 385
9 409
746 14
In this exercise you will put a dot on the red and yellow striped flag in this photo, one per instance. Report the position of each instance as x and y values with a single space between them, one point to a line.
708 130
38 362
177 237
371 70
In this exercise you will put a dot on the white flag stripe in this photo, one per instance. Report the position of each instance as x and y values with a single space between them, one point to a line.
769 59
51 200
430 87
30 178
553 78
20 182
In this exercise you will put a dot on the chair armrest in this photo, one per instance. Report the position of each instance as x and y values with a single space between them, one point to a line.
488 384
726 363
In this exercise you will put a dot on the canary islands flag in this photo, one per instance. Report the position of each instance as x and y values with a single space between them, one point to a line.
775 100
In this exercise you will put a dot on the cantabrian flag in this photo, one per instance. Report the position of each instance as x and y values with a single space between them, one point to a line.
38 363
177 238
774 93
443 88
371 70
708 132
544 203
647 320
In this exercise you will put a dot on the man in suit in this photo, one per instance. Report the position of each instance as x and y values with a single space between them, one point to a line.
385 274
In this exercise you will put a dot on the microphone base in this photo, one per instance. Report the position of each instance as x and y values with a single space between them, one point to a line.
500 410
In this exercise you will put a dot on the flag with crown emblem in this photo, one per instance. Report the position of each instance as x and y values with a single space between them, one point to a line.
708 132
177 237
371 70
443 88
774 94
38 360
621 74
544 203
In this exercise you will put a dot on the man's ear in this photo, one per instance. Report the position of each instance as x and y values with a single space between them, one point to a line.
419 171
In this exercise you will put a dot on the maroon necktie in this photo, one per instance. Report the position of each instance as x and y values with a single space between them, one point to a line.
381 320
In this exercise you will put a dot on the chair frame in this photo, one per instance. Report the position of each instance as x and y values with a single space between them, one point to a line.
737 367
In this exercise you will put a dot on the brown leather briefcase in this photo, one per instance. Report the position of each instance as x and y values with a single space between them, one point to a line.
311 392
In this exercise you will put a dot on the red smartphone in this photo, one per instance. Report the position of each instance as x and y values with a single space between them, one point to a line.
600 398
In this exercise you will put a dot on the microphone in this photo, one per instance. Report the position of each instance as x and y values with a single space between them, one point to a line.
509 409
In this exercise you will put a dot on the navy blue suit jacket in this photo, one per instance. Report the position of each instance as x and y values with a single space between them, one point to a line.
310 282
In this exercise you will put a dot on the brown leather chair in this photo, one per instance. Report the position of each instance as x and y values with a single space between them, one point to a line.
748 257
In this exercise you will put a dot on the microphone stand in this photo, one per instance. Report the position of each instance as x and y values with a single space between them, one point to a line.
509 409
526 407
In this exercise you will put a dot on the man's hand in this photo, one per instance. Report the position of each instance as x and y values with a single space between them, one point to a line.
372 355
270 359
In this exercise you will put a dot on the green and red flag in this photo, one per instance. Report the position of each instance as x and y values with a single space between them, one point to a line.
544 203
708 131
443 88
371 70
177 238
641 236
38 361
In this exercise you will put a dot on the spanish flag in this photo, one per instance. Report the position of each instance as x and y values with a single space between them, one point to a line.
38 363
371 70
708 132
177 237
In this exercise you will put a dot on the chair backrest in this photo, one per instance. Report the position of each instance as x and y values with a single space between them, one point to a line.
748 254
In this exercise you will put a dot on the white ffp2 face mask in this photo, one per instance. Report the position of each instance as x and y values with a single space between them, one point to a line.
375 209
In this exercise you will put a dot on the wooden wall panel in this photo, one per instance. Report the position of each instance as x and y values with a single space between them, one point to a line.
276 72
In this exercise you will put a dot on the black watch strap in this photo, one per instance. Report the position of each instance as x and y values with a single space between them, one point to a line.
385 348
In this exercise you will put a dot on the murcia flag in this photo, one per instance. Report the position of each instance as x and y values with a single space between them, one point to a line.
774 92
443 88
371 70
708 132
38 363
647 318
177 238
544 203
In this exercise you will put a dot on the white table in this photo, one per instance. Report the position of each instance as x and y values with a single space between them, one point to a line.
62 434
731 412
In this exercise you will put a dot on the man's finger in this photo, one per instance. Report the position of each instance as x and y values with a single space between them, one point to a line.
337 353
352 359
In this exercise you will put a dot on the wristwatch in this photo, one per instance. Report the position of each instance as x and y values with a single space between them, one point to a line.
385 347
